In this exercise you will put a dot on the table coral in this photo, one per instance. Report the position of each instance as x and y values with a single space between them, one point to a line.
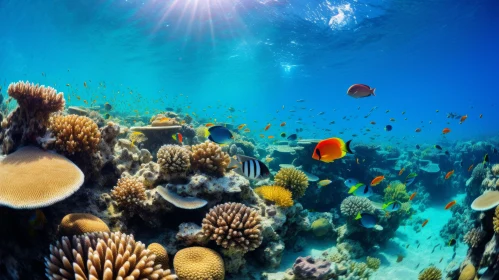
277 194
209 158
293 179
199 263
353 205
81 223
129 193
75 134
174 161
234 225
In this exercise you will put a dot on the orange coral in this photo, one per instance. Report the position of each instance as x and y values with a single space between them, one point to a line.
75 134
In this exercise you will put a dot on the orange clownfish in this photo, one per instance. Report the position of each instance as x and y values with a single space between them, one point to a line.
377 180
450 204
267 127
331 149
424 223
463 118
447 176
470 168
401 171
413 195
445 130
283 123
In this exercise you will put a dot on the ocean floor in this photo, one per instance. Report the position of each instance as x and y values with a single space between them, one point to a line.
431 251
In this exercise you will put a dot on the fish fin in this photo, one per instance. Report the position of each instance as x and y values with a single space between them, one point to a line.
347 146
318 153
385 206
243 158
358 217
353 189
372 91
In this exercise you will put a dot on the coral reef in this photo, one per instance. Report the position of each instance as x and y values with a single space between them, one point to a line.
495 220
74 134
209 158
396 192
198 263
353 205
174 161
474 237
373 263
430 273
293 179
81 223
129 193
279 195
234 226
309 268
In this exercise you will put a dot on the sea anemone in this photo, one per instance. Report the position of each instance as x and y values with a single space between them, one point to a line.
293 179
277 194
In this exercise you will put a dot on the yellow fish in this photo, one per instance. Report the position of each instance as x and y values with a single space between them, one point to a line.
323 183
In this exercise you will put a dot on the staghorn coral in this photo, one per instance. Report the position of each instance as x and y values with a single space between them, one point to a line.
293 179
81 223
495 169
75 134
234 226
129 193
277 194
373 263
32 178
103 256
474 237
396 192
174 161
198 263
495 220
430 273
209 158
353 205
161 255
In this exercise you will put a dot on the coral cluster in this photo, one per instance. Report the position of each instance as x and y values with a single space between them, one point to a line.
321 227
234 226
129 193
474 237
396 192
174 161
209 158
430 273
162 120
353 205
161 255
495 169
373 263
81 223
293 179
74 134
103 256
199 263
279 195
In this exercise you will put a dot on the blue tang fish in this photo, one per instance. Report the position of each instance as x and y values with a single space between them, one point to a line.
220 134
392 206
351 182
410 178
361 190
366 220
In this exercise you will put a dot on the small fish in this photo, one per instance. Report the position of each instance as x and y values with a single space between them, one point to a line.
292 137
271 137
241 126
323 183
209 124
407 247
485 159
300 100
452 242
418 129
413 195
450 204
267 127
360 91
366 220
358 161
261 136
283 124
418 263
283 134
392 206
441 260
246 130
401 171
107 116
481 116
108 106
85 84
137 137
438 147
400 258
445 130
387 111
410 178
331 149
418 147
424 223
253 168
377 180
373 122
268 159
449 174
392 119
470 168
220 134
361 190
447 153
178 137
351 182
388 128
463 118
419 244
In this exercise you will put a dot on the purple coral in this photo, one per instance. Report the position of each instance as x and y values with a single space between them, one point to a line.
309 268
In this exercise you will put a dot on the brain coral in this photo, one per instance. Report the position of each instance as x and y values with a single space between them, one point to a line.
174 160
474 237
161 255
353 205
33 178
36 99
293 179
198 263
430 273
234 226
209 158
277 194
80 223
129 193
75 134
103 256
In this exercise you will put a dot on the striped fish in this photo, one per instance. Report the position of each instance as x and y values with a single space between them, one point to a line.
253 168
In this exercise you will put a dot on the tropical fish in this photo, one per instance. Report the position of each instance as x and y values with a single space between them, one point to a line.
481 116
220 134
107 116
401 171
253 168
450 204
463 118
283 123
108 106
485 159
261 136
373 122
366 220
438 147
418 129
413 195
445 130
292 137
268 159
283 134
447 176
470 168
137 137
267 127
392 206
400 258
271 137
392 119
209 125
323 183
447 153
351 182
360 91
246 130
424 223
331 149
241 126
361 190
388 128
452 242
178 137
377 180
418 147
410 178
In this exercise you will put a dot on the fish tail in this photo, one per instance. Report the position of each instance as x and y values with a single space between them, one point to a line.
372 91
347 146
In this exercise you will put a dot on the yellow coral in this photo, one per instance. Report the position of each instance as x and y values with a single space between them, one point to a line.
397 191
75 134
321 227
80 223
209 158
281 196
202 133
129 193
468 272
161 255
430 273
373 263
336 257
198 263
293 179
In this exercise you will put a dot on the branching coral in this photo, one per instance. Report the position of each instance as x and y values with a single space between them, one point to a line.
174 161
353 205
277 194
103 256
373 263
293 179
129 193
430 273
209 158
39 100
234 226
75 134
474 237
396 192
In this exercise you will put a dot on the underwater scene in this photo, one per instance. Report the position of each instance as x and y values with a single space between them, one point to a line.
249 139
